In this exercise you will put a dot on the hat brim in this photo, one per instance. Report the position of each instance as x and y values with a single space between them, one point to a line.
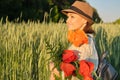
65 11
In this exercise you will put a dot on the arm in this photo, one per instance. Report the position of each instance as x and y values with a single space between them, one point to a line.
53 71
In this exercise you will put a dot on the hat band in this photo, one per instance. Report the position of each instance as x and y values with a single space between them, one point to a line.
80 12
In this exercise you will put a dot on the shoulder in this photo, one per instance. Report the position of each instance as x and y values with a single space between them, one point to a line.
90 38
90 35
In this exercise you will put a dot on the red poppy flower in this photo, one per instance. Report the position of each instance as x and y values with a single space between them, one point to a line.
77 37
67 68
86 69
88 78
69 56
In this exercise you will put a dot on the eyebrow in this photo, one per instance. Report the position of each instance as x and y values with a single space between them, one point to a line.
70 13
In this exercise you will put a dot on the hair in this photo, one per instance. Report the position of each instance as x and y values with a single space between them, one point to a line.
88 29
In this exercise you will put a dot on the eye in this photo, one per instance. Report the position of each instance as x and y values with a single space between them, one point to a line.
72 16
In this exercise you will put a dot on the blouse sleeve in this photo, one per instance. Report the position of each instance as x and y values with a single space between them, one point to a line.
87 51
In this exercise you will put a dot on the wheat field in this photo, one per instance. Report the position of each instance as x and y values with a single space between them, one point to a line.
24 54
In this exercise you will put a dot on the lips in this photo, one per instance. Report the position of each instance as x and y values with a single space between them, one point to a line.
69 25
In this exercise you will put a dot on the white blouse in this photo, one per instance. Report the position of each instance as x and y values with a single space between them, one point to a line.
87 51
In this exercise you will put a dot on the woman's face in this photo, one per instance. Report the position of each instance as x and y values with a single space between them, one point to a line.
75 21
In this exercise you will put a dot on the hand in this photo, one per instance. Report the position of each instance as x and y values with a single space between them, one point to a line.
77 53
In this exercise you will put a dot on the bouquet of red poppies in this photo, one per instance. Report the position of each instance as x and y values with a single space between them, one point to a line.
67 61
72 67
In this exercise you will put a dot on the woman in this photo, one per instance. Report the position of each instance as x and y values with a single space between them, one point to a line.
80 33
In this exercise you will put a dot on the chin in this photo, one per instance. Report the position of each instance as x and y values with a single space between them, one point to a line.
70 29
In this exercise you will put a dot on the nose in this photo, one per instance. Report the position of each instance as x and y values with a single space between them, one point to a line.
67 20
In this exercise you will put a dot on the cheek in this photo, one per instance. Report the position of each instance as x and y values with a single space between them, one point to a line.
73 24
77 24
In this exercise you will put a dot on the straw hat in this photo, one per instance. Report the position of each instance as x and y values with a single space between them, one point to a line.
81 8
